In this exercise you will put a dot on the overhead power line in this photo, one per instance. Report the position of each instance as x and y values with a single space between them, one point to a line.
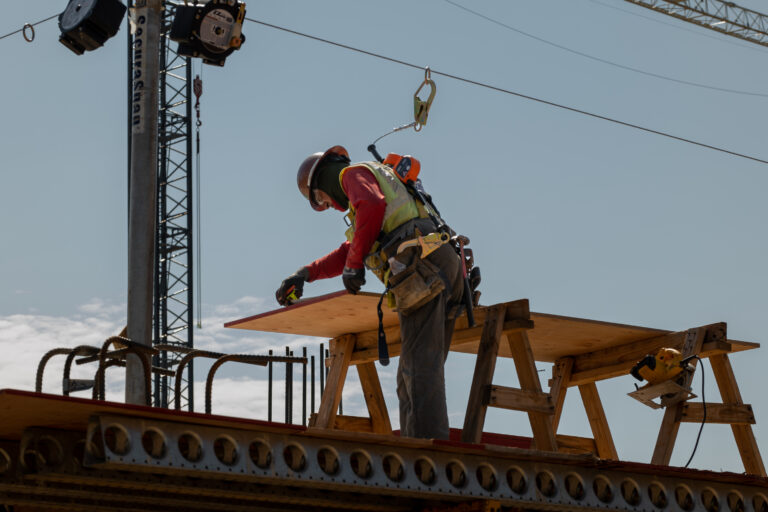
28 25
510 92
476 83
601 60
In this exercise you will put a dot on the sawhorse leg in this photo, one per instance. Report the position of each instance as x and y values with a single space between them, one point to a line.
529 398
374 398
485 364
596 416
745 438
341 353
541 423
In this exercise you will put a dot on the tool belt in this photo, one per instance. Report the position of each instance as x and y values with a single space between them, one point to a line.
418 281
414 281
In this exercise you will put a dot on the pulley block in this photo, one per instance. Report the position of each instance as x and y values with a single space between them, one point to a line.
86 24
211 31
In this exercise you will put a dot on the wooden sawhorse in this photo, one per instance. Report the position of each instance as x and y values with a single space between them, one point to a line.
510 319
581 351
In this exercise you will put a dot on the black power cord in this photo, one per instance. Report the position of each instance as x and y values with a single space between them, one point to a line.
704 418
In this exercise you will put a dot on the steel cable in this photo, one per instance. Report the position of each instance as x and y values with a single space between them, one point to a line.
513 93
28 25
605 61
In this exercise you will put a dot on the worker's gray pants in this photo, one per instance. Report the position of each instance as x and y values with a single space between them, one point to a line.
425 338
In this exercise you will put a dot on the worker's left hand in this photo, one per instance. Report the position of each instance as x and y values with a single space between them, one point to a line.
354 279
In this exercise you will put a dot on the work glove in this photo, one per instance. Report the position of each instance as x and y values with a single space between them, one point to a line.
354 279
293 284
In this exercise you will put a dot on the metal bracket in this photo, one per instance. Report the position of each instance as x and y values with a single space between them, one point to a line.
669 391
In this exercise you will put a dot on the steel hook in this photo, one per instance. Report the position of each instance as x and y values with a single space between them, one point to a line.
421 107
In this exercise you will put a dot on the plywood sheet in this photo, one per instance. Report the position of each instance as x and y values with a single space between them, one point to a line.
552 337
326 316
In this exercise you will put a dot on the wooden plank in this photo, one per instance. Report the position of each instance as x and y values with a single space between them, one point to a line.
541 423
341 351
582 374
353 423
461 334
618 369
574 444
597 421
460 337
485 364
622 357
670 424
347 423
693 412
515 310
561 376
745 438
374 398
520 400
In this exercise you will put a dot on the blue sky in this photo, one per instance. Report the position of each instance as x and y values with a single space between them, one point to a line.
583 217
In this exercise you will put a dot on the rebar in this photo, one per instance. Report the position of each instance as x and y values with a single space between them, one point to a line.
192 354
143 352
41 366
241 358
312 398
287 388
269 391
81 350
321 362
304 388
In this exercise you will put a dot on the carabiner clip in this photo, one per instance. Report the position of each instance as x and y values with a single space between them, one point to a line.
420 107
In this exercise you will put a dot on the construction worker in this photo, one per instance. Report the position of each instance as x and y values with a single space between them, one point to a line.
427 291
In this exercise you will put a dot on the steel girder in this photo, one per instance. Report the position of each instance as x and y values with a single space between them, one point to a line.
200 467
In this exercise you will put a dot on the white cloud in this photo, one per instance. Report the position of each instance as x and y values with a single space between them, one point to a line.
24 339
102 309
238 390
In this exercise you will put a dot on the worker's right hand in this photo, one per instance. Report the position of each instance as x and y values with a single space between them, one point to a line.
292 286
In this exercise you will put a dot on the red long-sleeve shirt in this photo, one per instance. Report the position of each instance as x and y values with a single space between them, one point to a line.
366 198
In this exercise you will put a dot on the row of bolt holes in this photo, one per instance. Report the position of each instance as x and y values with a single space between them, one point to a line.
225 450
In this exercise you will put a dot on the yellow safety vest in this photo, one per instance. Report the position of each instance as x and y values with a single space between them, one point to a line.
401 207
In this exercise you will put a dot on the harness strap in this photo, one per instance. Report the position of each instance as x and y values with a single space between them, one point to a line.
383 349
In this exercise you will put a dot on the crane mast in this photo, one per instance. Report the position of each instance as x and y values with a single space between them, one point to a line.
724 17
172 317
173 301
